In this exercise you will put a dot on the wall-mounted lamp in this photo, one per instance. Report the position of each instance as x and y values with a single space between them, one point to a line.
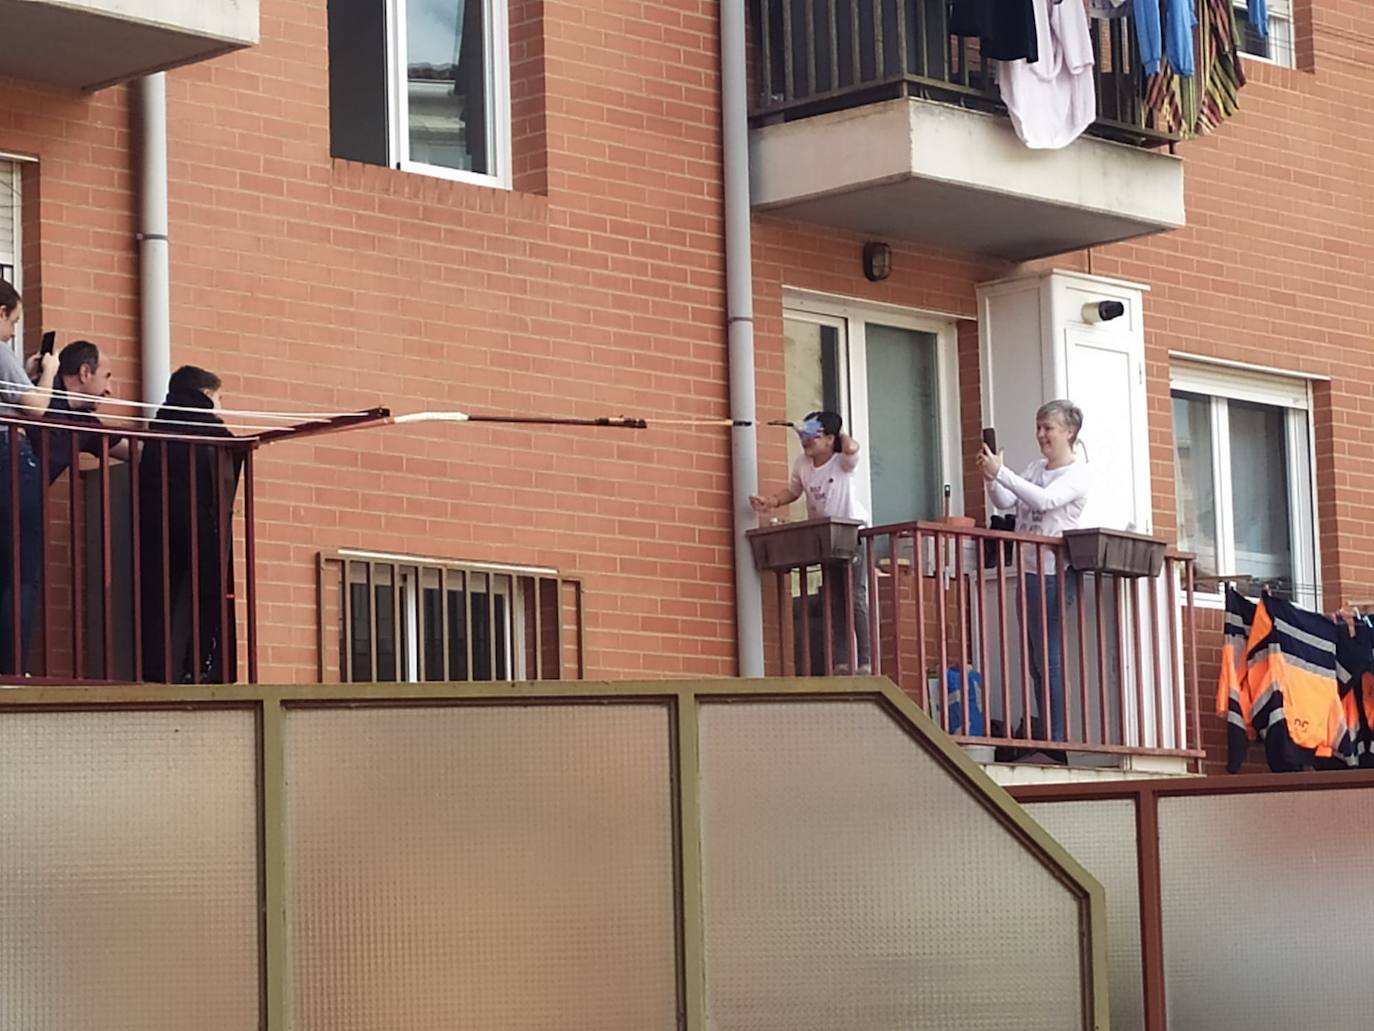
877 261
1103 311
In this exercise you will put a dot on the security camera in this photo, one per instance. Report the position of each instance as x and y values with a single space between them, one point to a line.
1103 311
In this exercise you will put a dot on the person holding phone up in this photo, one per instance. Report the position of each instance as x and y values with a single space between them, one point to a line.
1048 499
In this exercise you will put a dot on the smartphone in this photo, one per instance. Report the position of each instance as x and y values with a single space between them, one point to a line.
990 438
49 342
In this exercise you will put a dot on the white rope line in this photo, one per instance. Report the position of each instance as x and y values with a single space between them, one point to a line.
251 421
290 417
401 420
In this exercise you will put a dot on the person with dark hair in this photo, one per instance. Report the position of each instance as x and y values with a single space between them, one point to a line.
84 377
824 474
19 397
193 542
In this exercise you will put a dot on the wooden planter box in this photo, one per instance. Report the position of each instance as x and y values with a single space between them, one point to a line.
808 543
1115 551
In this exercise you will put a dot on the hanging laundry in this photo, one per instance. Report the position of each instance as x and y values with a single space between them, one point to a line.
1180 19
1053 100
1198 106
1109 8
1221 74
1166 31
1290 677
1149 34
1233 700
1005 28
1355 681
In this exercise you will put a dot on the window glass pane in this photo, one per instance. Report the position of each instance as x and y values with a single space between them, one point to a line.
386 633
811 356
447 85
457 635
1276 45
903 424
358 94
433 621
1195 481
360 633
1259 494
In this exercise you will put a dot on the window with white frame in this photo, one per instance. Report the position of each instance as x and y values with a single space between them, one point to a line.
10 243
1243 477
1269 33
422 85
411 619
893 377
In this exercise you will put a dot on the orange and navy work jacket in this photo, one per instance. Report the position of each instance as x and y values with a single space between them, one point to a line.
1284 689
1355 681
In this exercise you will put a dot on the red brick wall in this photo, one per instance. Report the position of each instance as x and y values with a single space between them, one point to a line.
1273 269
595 287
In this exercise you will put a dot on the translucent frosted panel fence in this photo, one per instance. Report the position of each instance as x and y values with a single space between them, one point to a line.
484 867
850 882
128 871
1267 910
1101 836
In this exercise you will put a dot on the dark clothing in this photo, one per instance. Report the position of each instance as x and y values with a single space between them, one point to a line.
1006 28
194 542
834 583
1043 630
59 443
30 512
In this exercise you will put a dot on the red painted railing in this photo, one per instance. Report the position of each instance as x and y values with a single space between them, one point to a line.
960 619
125 550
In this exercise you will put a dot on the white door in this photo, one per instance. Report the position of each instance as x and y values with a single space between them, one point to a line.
1105 377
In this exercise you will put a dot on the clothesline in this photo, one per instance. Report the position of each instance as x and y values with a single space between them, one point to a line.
253 421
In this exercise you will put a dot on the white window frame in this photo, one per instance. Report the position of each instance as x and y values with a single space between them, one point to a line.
1293 393
502 580
496 59
850 317
510 634
1281 32
16 198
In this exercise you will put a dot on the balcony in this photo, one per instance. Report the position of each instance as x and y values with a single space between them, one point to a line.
141 567
90 44
873 119
947 621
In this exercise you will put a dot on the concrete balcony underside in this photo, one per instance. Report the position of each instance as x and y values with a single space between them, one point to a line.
936 174
89 44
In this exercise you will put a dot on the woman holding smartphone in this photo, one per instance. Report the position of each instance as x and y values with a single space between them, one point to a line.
1048 499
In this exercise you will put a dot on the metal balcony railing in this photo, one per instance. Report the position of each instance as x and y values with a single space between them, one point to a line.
816 56
958 619
120 554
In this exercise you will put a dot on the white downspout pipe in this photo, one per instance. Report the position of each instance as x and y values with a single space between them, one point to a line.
155 296
739 303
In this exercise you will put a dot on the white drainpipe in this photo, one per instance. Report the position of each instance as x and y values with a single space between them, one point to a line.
744 462
155 302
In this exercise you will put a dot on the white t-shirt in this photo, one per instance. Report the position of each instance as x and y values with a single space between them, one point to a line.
829 489
1046 501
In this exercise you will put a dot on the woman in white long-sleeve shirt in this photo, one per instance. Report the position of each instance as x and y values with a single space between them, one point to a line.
1048 499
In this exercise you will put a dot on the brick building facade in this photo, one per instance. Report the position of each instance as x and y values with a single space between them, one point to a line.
594 285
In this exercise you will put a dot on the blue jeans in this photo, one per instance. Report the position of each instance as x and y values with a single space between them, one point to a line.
30 554
1045 589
